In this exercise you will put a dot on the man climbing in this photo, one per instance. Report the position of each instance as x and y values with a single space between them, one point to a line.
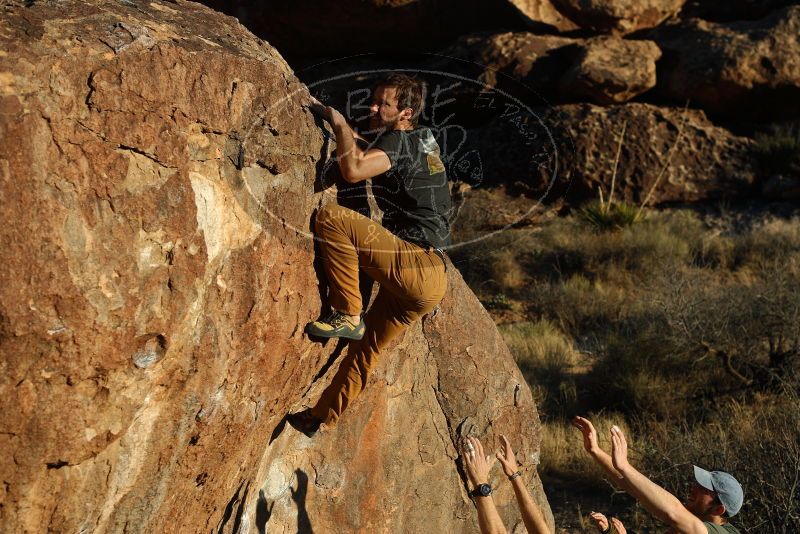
404 254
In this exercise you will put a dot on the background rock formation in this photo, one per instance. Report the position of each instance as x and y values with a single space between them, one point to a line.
746 68
158 177
734 63
619 16
581 141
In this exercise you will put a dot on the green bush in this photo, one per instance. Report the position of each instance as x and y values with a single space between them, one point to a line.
602 216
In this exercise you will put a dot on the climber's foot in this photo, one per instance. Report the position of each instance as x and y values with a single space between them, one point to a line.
304 422
337 324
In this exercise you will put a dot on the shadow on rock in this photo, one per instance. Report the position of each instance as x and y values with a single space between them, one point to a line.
299 497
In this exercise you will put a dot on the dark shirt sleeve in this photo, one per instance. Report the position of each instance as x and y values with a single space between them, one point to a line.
390 142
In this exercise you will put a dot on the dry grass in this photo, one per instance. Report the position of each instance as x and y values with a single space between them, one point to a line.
758 443
686 334
548 361
506 271
563 455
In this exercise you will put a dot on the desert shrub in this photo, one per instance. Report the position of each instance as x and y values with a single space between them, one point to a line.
714 251
547 360
498 301
636 370
660 243
603 216
578 305
775 244
751 332
493 264
506 270
778 149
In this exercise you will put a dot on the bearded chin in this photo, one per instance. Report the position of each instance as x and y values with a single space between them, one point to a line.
382 126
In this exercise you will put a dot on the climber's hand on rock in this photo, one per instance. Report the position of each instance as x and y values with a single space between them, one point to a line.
328 113
318 108
336 118
476 463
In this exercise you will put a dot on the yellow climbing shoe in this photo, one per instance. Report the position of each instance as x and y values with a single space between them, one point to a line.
336 325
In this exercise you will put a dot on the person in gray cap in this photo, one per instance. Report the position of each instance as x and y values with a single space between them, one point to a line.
715 496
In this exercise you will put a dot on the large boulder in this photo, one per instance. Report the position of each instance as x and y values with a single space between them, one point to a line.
747 68
158 173
567 153
539 68
611 71
618 16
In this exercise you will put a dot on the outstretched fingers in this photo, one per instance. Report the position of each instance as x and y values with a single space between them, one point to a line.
589 433
618 526
507 457
600 520
619 447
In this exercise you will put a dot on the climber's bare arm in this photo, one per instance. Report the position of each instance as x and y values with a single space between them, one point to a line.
355 163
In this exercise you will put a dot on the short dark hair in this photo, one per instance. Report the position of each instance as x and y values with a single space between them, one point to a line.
410 92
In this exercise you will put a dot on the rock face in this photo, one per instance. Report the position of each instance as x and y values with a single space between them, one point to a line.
620 16
604 70
749 68
519 55
570 150
612 71
538 12
158 177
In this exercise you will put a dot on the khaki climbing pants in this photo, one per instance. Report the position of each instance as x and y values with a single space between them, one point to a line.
412 282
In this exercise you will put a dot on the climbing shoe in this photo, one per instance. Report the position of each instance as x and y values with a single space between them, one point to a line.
336 325
304 422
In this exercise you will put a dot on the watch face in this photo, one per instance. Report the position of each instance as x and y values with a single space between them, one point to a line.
485 490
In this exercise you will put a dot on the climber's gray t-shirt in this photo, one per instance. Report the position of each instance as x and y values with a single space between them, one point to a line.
413 193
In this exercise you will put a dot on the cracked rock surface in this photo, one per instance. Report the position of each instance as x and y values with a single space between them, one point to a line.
158 183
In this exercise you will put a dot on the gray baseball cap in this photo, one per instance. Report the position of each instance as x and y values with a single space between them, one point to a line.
728 490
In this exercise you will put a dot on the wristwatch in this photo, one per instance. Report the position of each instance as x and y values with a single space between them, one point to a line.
483 490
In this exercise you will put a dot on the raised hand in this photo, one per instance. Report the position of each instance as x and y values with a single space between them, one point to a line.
589 434
618 526
619 449
600 520
506 457
328 113
476 463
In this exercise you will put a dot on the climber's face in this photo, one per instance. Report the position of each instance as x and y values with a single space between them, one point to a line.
385 114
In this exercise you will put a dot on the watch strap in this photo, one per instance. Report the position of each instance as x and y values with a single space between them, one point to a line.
477 491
